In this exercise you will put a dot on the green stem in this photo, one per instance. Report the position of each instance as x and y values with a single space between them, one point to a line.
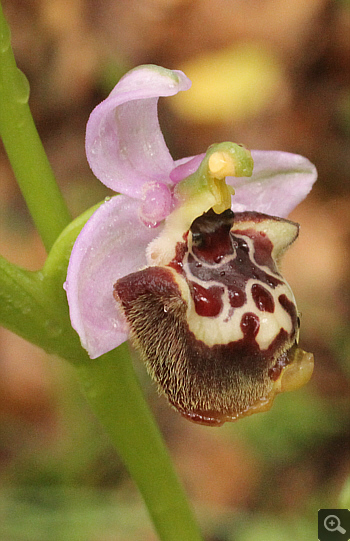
24 148
114 393
30 308
34 305
112 390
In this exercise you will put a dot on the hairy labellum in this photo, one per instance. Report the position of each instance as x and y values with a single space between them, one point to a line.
218 325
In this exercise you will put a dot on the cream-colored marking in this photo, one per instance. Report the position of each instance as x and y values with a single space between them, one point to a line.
265 268
271 324
226 327
161 250
280 232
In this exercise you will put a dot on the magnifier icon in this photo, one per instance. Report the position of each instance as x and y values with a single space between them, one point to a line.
332 524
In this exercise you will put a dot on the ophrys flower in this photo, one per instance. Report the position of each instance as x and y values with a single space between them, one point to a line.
196 278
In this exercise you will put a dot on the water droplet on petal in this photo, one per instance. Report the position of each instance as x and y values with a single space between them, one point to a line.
155 204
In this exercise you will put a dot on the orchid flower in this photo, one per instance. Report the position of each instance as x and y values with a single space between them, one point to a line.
188 272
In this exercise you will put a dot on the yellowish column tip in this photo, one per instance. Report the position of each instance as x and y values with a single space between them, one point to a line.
221 165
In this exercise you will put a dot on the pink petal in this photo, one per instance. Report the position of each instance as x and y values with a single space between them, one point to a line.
111 245
185 167
280 181
124 144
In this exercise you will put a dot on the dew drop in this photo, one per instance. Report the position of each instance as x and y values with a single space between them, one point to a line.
94 146
21 87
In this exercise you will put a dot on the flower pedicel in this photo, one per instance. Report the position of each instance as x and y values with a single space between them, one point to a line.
196 279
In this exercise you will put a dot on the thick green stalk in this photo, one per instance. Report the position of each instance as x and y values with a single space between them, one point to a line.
113 391
34 305
31 305
24 148
31 311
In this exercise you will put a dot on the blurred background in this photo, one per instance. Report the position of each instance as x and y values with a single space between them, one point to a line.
271 74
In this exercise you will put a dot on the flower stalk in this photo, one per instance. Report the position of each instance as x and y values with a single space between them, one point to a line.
34 306
123 411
